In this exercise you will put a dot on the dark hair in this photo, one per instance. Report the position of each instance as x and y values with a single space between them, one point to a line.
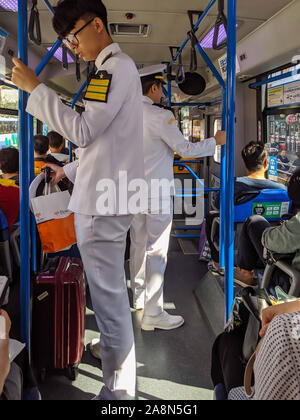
254 156
294 188
147 85
9 160
68 12
41 144
55 139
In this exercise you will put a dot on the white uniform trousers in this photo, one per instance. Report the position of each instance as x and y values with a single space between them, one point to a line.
102 242
150 237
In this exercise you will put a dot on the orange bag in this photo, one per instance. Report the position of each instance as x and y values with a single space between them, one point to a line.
55 222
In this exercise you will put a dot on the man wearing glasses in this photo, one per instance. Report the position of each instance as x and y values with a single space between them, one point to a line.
109 135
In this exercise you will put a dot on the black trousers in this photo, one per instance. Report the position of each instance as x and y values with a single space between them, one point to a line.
250 253
226 364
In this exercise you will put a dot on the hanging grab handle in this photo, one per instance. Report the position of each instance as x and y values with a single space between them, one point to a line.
221 21
34 24
180 76
194 41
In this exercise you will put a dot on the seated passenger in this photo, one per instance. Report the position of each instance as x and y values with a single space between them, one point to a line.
9 164
41 147
9 190
277 365
17 380
283 163
57 147
256 161
5 324
297 161
257 234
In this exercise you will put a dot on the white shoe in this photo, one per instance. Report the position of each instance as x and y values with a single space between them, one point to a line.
95 348
164 321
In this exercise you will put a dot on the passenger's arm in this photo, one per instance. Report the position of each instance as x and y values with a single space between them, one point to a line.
4 347
269 314
171 135
82 129
60 172
283 239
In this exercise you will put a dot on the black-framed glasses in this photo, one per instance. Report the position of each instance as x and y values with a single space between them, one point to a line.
72 40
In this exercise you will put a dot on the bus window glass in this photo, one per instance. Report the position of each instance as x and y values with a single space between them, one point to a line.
8 131
9 98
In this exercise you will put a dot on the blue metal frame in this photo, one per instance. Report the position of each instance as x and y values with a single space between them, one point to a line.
274 79
24 183
26 142
227 171
230 118
227 155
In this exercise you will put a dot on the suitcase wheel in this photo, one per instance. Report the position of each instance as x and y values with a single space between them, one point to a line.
72 372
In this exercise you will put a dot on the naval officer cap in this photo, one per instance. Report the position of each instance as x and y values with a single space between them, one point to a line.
153 73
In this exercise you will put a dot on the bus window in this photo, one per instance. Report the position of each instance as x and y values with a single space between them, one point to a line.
8 131
217 127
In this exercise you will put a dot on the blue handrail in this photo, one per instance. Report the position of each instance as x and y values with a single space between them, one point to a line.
24 183
229 208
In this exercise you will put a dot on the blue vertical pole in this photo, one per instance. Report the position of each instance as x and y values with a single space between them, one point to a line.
223 185
229 207
24 182
31 177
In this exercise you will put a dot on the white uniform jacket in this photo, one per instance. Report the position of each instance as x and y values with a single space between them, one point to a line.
162 138
109 135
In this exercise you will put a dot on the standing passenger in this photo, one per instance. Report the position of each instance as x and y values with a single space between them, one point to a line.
109 135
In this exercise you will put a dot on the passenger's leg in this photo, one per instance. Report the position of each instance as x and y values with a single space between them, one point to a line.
158 238
102 242
251 250
158 233
138 236
209 222
226 367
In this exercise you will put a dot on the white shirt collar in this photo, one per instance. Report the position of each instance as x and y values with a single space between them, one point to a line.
147 100
110 49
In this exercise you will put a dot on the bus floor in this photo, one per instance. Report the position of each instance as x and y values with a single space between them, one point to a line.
171 365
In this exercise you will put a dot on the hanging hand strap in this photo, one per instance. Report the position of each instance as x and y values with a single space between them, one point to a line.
34 24
180 76
221 20
194 40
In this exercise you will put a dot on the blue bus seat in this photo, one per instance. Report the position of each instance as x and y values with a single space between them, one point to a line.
271 204
5 257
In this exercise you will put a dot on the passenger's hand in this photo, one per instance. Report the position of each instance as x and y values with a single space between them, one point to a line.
57 173
5 324
24 77
271 312
220 138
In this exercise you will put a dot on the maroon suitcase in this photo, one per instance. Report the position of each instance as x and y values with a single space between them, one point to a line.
58 319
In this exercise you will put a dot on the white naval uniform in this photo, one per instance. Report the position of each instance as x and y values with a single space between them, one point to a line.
109 136
150 233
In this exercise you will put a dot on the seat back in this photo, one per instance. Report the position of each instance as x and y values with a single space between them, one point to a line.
282 263
271 204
